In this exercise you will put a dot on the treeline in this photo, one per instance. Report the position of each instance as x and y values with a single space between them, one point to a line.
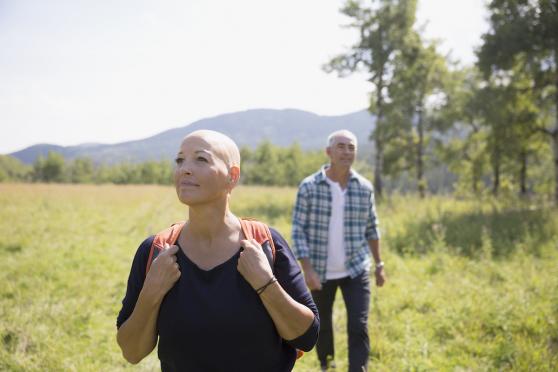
265 165
494 124
272 165
55 169
487 128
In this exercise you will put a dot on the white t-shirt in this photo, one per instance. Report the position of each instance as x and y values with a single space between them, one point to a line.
336 237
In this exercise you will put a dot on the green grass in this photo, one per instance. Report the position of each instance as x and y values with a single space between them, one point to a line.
473 285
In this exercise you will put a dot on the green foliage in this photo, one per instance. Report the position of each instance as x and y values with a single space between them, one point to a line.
266 165
149 172
465 226
49 169
499 122
384 27
11 169
419 97
494 307
521 45
272 165
81 171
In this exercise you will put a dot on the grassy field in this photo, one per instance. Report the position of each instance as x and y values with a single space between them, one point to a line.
473 285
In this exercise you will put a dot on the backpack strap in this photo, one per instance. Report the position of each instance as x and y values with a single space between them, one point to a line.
168 236
251 228
260 232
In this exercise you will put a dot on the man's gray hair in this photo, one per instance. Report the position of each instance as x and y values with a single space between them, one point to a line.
341 133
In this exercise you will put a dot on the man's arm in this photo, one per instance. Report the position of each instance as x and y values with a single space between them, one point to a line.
373 238
300 223
300 241
310 275
374 245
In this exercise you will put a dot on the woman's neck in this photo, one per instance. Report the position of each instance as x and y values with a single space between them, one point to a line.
208 222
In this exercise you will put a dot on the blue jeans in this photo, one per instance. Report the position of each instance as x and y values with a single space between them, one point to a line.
356 294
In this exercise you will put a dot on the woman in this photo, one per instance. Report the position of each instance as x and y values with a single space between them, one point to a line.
199 296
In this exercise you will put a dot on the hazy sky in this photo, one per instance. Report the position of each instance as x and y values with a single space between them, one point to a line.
74 71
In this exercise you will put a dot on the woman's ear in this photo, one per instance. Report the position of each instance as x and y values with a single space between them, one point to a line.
234 174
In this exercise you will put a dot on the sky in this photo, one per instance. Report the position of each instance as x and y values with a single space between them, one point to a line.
77 71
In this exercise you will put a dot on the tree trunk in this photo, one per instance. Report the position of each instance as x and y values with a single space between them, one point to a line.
555 132
555 149
523 173
496 173
379 161
475 184
496 181
476 175
420 153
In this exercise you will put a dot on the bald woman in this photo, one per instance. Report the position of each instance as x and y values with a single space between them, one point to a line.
198 299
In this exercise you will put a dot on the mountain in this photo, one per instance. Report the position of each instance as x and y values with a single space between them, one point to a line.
246 128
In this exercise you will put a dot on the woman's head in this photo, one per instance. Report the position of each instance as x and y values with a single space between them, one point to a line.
207 167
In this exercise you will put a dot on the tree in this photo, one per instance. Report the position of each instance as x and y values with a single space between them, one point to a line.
292 160
383 27
508 110
49 169
81 170
266 168
526 30
418 96
11 169
272 165
522 116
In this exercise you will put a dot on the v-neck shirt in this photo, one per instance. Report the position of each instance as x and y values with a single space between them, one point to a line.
213 320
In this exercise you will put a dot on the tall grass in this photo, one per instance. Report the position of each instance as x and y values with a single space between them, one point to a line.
472 285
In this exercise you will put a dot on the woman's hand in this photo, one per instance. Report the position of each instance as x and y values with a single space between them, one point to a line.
137 336
253 264
163 273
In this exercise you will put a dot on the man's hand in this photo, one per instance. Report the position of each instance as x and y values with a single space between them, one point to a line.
312 279
163 273
310 275
380 276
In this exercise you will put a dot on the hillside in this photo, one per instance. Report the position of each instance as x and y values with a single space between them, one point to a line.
247 128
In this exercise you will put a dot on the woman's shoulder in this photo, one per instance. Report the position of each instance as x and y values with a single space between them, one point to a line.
145 246
142 253
281 246
277 237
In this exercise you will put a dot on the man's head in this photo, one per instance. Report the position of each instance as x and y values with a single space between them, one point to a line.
341 148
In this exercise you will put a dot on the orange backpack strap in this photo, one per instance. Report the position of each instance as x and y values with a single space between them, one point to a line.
168 236
260 232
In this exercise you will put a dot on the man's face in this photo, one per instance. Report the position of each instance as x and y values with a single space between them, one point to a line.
342 151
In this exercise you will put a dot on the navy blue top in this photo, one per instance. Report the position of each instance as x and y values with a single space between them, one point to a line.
213 320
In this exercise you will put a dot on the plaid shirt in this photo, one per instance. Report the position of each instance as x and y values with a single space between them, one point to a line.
311 222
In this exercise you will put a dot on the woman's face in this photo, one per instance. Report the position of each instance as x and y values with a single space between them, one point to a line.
201 174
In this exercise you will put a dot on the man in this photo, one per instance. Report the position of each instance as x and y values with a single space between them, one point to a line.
334 230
